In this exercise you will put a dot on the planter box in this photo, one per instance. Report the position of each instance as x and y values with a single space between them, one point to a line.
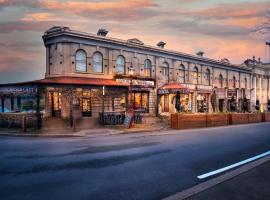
254 117
267 117
187 121
216 120
238 118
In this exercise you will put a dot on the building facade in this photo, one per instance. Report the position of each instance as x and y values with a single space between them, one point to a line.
110 75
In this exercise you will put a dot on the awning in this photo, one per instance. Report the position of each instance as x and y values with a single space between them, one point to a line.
172 88
65 80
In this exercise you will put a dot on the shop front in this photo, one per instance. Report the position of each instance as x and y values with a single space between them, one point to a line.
167 97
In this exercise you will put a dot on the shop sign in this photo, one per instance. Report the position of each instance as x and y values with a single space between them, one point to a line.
198 87
136 82
18 90
231 93
173 91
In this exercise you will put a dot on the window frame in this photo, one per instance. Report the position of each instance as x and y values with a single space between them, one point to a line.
145 68
94 62
82 61
165 71
117 64
182 69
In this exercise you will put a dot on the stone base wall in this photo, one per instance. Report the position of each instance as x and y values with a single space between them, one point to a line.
255 117
238 118
217 120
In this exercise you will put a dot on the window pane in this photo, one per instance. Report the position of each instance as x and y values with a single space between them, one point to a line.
120 65
147 68
145 101
80 61
97 66
137 101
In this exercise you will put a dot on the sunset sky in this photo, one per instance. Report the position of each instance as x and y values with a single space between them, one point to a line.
220 28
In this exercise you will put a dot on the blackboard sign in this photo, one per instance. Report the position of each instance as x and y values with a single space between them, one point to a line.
127 121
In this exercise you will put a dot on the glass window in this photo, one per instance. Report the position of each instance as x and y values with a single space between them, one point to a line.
182 74
234 82
81 61
141 101
147 68
97 62
220 81
165 71
120 65
195 75
245 83
207 76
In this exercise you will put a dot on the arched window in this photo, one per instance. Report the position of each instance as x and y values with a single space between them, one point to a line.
246 85
182 74
165 71
234 82
80 61
207 76
195 75
97 62
120 65
220 81
147 68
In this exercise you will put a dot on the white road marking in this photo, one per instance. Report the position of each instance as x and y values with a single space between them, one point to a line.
233 165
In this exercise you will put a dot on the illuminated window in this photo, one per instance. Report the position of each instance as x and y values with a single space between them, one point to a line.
147 68
120 65
97 62
141 101
182 74
81 61
195 75
86 103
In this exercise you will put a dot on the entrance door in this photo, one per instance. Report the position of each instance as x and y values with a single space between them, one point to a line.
221 105
56 104
86 107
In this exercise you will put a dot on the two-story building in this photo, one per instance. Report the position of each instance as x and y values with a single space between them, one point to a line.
98 74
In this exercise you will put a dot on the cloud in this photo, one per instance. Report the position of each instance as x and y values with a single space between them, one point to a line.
118 10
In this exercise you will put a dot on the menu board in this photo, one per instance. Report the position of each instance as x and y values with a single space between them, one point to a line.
127 120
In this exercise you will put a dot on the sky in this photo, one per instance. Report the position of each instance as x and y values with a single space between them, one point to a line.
233 29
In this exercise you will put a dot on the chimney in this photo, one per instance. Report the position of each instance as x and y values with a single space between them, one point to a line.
102 32
200 53
161 44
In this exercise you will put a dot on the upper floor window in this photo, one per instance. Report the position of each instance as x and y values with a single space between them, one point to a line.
195 75
220 81
234 82
147 68
97 62
81 61
182 74
207 76
246 85
120 65
165 71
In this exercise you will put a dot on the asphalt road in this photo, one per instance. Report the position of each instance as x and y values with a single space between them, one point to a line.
129 167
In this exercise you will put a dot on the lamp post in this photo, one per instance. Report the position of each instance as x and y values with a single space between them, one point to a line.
131 73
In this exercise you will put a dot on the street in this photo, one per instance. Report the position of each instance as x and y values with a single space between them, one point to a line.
138 166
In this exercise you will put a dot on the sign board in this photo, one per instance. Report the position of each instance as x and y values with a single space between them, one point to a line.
173 91
197 87
18 90
127 120
136 82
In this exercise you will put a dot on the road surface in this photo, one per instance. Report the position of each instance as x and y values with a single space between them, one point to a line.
141 166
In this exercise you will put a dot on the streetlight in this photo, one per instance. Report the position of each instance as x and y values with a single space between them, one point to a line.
131 72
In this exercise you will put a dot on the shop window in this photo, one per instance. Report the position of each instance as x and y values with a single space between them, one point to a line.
165 71
182 74
166 103
120 65
141 101
55 101
97 62
202 103
220 81
207 76
86 104
147 68
195 75
81 61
